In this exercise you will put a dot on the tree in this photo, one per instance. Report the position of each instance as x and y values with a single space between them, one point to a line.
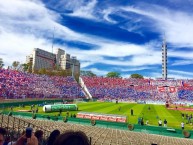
25 66
113 75
57 67
42 71
29 67
1 63
87 73
138 76
15 64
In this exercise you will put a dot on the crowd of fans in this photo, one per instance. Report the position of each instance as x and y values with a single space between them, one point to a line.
56 138
140 89
16 84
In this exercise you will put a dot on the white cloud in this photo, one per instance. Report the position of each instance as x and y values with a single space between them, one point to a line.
85 64
63 5
181 54
98 72
176 74
125 75
135 68
155 75
106 13
181 72
17 46
24 25
182 62
85 11
32 17
23 31
139 55
177 26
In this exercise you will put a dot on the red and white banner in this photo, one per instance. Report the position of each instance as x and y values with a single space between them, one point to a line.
104 117
87 116
96 117
79 115
169 89
112 119
121 119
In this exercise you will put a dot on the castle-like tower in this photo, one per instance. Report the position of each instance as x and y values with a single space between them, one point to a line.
164 60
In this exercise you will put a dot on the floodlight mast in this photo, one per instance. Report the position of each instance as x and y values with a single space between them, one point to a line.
164 60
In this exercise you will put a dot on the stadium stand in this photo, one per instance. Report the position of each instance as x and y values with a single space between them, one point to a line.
140 90
20 85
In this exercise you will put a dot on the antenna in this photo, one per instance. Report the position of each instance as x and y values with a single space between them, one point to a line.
53 40
164 39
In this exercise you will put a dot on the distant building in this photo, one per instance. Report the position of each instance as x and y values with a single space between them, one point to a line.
44 59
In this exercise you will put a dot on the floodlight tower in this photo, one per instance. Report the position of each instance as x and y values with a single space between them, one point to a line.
164 60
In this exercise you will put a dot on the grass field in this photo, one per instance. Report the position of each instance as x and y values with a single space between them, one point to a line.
173 117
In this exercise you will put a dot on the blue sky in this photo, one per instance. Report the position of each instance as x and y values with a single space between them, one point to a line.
105 35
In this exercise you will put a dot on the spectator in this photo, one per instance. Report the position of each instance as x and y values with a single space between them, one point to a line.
53 135
182 125
72 138
119 108
182 115
2 135
39 135
165 123
142 122
139 120
131 112
160 122
7 140
147 122
14 139
29 141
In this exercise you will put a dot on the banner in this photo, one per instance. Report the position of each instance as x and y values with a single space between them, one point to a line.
59 107
104 117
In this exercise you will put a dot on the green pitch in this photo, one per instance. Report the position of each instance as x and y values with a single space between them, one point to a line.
155 112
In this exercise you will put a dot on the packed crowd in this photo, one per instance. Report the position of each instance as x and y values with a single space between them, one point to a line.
16 84
140 89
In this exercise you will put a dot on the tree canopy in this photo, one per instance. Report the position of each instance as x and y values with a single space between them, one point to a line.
138 76
87 73
15 64
113 75
25 66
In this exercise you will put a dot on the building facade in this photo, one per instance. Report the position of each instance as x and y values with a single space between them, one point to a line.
44 59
